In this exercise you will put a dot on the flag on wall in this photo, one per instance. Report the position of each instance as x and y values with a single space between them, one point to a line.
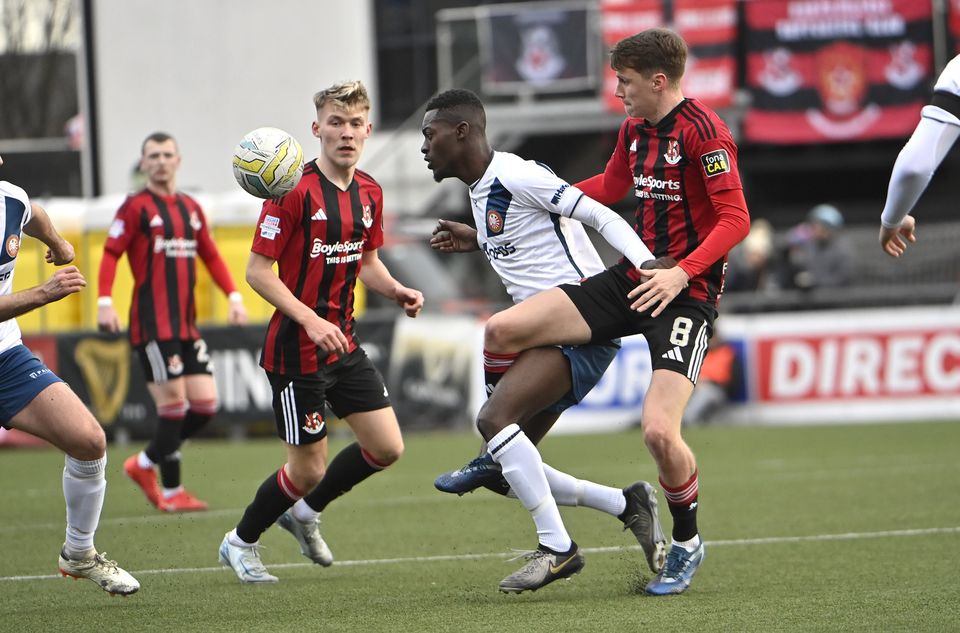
836 70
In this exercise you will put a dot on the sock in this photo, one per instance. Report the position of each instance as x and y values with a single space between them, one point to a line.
304 513
171 492
143 461
275 495
494 367
199 413
84 486
523 469
567 490
162 449
351 466
683 503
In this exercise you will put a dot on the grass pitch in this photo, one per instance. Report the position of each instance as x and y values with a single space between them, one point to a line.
849 528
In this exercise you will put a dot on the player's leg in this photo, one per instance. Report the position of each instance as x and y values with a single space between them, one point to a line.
547 318
163 367
201 389
57 415
298 405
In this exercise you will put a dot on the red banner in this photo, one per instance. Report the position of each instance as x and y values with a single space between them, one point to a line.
709 28
836 70
953 25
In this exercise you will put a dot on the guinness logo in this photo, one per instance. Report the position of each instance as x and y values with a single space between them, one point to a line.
105 366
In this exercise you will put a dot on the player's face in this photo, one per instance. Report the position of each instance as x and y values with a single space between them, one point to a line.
439 146
160 162
342 134
637 93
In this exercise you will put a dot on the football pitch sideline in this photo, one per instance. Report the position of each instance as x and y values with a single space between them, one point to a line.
852 528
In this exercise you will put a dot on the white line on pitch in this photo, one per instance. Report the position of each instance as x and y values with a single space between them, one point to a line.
772 540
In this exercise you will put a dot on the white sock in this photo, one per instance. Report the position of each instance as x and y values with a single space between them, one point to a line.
690 545
143 461
523 470
570 491
233 539
304 513
84 486
169 492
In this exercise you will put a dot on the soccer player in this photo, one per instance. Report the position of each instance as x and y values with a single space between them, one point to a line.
34 400
530 231
680 159
323 235
162 231
937 131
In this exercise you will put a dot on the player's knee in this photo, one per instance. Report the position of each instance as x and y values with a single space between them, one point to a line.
385 456
91 444
489 423
306 476
499 335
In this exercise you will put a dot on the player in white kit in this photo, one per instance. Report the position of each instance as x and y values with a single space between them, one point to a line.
919 159
529 226
34 400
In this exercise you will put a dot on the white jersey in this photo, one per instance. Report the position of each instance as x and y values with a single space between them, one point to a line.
948 82
522 213
14 214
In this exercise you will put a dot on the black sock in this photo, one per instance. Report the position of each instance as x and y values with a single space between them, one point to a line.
683 501
193 423
346 470
163 446
494 367
267 506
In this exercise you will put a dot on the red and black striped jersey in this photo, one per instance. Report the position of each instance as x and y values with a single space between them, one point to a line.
317 233
162 236
675 166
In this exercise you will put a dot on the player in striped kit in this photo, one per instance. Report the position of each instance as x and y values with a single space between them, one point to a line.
529 226
936 133
163 232
680 160
323 236
34 400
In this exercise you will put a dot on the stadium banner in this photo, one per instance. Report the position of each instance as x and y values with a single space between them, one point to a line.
850 366
836 70
708 26
537 47
953 26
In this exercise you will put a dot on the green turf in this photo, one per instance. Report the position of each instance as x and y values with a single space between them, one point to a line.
870 483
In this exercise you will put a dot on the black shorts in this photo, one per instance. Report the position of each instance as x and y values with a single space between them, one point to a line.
166 360
350 385
677 337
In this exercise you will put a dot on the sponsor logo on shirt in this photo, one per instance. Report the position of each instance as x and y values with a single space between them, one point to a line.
559 194
650 188
156 221
715 163
319 215
338 252
496 252
175 246
116 229
270 227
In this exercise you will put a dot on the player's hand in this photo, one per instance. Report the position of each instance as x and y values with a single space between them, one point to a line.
410 300
60 253
107 319
453 237
237 314
326 336
894 241
661 286
65 281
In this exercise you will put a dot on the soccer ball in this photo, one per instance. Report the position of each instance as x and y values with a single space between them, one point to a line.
268 162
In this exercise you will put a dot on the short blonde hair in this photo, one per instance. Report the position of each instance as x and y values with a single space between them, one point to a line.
347 95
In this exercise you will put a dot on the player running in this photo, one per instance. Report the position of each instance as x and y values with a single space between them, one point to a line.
681 161
530 230
936 133
34 400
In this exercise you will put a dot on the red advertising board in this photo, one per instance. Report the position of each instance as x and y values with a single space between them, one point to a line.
836 70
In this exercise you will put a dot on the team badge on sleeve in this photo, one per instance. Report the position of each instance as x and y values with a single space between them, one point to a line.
715 163
116 229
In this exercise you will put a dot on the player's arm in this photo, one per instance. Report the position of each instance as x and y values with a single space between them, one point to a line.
614 229
376 277
118 239
210 254
454 237
663 285
264 281
63 282
912 171
59 250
